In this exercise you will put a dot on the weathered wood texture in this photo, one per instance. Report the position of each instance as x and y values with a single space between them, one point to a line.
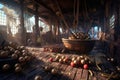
35 68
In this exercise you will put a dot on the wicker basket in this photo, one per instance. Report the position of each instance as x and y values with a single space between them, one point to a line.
83 46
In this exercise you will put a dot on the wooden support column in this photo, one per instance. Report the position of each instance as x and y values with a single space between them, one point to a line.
107 13
116 46
117 18
118 13
54 29
50 24
37 33
57 28
23 31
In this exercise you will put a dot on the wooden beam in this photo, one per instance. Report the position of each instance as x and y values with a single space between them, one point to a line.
28 3
61 15
40 3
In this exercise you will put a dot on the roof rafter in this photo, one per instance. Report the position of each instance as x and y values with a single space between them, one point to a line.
40 3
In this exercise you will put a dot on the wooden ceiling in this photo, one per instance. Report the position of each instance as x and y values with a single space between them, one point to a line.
65 11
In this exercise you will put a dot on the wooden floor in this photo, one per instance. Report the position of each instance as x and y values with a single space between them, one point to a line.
35 68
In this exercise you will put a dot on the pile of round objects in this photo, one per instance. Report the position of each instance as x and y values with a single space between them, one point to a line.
80 35
75 61
13 57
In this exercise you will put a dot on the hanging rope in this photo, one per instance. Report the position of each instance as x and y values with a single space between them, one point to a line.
61 14
76 13
74 6
86 13
86 17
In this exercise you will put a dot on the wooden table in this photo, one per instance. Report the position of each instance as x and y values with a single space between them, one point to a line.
34 68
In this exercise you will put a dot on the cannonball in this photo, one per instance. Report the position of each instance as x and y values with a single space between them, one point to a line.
6 67
18 69
38 77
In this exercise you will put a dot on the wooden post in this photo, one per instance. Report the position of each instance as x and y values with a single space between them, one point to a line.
22 37
57 28
116 47
50 24
107 13
37 33
117 24
118 13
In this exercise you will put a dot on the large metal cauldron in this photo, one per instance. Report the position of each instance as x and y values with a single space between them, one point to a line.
83 46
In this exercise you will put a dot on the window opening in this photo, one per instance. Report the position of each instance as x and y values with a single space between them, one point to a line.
112 21
94 32
13 20
2 16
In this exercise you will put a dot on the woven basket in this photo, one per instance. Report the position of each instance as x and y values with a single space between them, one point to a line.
83 46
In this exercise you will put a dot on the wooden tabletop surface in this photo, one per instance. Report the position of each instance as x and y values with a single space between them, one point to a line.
35 67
